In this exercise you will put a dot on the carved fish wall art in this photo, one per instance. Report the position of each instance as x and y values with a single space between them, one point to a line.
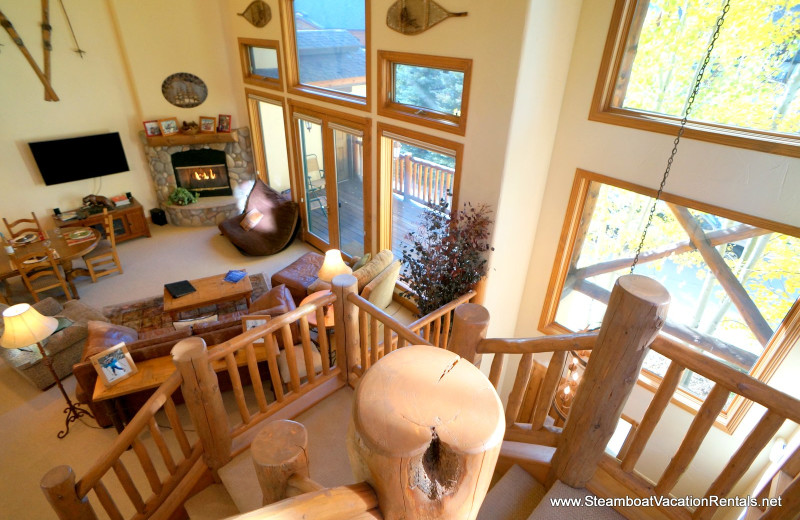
257 13
416 16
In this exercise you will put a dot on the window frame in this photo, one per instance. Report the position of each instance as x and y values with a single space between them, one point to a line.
413 114
294 86
252 98
247 71
616 55
776 350
385 173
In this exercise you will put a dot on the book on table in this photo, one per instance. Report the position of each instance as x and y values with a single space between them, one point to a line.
235 275
178 289
121 200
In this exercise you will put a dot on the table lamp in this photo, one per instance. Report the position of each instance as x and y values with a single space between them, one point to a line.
333 266
25 326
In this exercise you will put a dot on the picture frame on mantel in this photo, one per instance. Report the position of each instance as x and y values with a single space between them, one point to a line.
224 124
208 125
151 128
168 126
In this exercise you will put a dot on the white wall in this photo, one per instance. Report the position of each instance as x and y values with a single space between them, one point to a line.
757 183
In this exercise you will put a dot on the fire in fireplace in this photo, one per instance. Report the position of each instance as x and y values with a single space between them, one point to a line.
202 171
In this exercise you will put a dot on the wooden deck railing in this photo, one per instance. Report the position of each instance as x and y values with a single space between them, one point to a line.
421 180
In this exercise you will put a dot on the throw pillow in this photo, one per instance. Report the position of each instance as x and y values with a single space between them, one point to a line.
361 262
251 219
373 268
103 335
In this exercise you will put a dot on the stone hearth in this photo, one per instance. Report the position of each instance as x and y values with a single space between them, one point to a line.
208 211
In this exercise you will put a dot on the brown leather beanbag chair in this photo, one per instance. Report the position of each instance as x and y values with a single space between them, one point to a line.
273 232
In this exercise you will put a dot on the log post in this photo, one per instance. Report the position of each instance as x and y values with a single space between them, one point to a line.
345 324
58 486
408 176
426 432
280 450
203 400
470 322
636 311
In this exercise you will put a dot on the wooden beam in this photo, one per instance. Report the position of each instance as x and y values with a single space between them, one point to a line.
738 295
716 238
539 345
725 351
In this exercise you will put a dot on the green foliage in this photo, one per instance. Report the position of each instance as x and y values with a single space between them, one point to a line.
446 256
182 197
752 80
435 89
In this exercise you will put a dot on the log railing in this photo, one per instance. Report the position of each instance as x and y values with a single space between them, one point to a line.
172 478
71 500
609 475
420 180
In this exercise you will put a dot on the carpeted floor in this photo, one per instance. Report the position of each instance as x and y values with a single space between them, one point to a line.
148 314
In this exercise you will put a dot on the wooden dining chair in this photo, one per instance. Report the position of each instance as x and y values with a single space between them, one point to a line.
103 259
42 275
24 225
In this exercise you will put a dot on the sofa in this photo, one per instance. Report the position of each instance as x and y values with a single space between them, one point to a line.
376 277
64 347
101 336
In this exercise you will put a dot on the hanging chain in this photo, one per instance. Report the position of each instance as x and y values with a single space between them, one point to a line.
689 103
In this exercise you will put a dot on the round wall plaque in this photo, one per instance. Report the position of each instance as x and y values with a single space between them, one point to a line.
184 90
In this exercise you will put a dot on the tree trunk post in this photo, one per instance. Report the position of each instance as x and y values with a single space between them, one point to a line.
203 400
408 176
426 432
58 485
280 450
345 324
470 322
636 311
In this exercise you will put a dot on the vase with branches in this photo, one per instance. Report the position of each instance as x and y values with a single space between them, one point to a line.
446 255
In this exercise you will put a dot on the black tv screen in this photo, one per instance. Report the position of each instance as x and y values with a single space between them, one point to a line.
78 158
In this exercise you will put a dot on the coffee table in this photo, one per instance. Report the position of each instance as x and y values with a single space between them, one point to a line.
209 291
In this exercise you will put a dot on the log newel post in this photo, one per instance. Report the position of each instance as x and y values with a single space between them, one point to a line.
425 433
345 324
58 485
279 451
470 322
636 311
203 400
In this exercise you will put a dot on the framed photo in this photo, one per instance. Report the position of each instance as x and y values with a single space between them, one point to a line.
114 364
224 124
253 321
168 126
208 125
151 128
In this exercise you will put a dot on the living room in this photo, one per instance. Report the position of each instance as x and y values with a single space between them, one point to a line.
535 66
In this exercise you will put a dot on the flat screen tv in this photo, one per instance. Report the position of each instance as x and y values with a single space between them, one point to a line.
78 158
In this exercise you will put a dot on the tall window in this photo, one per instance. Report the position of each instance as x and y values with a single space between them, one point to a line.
749 96
417 172
269 140
733 279
428 90
327 49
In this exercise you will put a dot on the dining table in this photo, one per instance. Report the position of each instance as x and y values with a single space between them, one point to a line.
68 243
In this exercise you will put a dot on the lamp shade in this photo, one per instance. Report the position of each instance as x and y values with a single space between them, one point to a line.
25 326
333 266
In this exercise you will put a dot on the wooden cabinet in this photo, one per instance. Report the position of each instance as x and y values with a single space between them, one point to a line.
129 222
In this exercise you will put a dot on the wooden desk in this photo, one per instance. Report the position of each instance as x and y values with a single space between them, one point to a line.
129 221
210 291
66 253
152 373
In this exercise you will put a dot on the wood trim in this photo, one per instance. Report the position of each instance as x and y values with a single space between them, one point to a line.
412 114
293 71
247 72
384 174
601 109
776 349
252 96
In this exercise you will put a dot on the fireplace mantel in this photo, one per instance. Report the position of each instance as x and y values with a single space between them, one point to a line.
181 139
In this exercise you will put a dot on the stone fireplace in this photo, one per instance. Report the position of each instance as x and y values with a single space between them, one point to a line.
222 173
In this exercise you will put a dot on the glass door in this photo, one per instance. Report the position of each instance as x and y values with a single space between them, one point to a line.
331 170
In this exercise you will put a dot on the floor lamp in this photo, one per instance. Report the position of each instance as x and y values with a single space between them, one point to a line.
25 326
